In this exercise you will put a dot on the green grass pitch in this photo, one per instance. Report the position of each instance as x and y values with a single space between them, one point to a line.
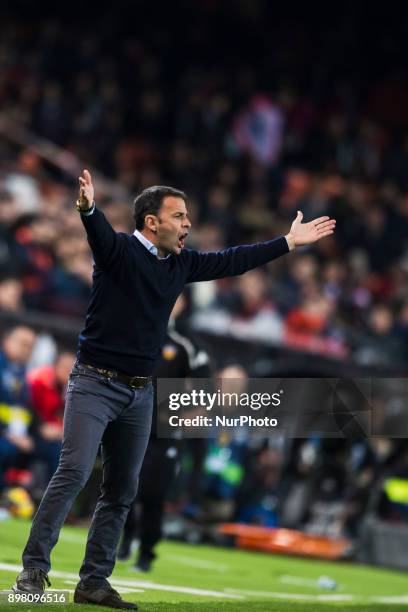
205 579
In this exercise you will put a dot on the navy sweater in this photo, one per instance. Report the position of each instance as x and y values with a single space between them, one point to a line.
134 292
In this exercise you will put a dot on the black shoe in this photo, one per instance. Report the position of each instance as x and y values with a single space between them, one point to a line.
143 564
102 596
31 580
124 552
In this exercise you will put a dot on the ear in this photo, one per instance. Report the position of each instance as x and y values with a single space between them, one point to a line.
151 222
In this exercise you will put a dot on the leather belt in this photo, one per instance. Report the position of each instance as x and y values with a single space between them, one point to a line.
136 382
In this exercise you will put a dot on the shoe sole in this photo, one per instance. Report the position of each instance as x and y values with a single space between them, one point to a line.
18 591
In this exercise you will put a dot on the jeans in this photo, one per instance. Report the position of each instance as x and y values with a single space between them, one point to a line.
97 410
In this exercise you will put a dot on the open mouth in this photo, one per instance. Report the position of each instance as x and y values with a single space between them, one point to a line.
181 240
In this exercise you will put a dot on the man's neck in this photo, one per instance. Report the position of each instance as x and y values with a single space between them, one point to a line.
152 237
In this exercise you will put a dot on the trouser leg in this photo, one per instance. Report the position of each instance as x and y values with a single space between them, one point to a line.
123 448
85 420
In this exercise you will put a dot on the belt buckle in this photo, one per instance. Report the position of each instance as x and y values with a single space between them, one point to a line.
136 382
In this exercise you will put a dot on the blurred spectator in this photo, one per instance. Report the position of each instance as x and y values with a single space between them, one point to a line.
34 237
258 130
11 294
15 416
257 497
47 387
381 343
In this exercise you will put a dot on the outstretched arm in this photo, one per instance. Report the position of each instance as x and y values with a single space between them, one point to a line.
240 259
102 239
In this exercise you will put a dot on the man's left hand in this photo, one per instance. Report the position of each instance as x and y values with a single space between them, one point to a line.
307 233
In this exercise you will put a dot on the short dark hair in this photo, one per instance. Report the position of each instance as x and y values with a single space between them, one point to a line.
150 200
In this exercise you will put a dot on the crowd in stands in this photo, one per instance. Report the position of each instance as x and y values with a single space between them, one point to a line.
237 125
31 409
253 128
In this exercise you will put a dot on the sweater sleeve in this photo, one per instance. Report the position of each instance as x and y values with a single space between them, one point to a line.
105 243
233 261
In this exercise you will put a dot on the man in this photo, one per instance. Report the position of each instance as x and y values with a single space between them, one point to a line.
136 282
180 358
15 416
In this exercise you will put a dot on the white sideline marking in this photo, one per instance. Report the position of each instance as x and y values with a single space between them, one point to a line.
334 597
75 538
201 563
392 599
309 582
298 581
136 583
175 589
228 593
120 589
304 596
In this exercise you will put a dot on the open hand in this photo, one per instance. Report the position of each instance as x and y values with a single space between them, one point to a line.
86 190
307 233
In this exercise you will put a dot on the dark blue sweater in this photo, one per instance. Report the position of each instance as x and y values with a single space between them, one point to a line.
134 292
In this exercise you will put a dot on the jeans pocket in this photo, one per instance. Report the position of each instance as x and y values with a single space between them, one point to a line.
85 381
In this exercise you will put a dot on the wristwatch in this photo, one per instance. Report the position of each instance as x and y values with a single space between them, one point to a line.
291 241
83 210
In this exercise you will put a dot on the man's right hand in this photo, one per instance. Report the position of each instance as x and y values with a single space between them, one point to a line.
86 191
